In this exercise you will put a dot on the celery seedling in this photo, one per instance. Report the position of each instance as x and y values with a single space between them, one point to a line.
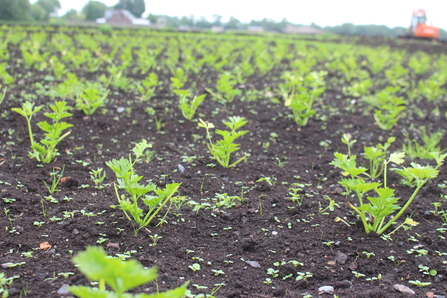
91 99
56 179
46 149
189 106
119 275
222 149
147 86
129 181
28 111
301 103
385 204
376 155
430 143
225 87
97 176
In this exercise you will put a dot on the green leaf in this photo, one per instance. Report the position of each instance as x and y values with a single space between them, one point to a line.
175 293
381 206
359 185
140 147
347 164
119 275
86 292
397 158
438 157
122 167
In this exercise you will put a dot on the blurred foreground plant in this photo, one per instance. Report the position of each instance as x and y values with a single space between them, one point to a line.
119 275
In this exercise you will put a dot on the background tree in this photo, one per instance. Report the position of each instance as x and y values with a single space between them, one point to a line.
50 6
38 13
233 23
93 10
136 7
14 10
152 18
73 14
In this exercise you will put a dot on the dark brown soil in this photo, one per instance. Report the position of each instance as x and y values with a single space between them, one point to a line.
266 227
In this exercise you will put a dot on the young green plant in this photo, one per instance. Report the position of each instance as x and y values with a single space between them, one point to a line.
189 106
45 150
222 149
374 214
90 99
138 193
121 276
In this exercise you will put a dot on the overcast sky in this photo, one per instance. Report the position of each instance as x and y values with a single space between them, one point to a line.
392 13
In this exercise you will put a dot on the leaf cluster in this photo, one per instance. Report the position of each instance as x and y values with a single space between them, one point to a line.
138 195
222 149
120 276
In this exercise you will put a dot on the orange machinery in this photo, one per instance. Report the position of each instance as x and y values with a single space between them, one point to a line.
419 27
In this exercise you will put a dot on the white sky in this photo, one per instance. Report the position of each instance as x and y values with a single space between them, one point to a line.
391 13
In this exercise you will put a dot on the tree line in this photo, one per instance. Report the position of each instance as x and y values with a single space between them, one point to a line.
44 10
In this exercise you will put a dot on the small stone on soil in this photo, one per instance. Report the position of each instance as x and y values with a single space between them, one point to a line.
326 290
63 290
403 289
422 260
253 264
341 258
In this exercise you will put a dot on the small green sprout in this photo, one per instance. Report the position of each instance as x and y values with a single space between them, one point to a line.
194 267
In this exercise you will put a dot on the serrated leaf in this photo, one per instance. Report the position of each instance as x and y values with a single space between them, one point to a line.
87 292
119 275
205 124
140 147
397 158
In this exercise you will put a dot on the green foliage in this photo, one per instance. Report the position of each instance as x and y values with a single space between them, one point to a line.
348 164
138 193
49 5
93 10
117 77
56 178
308 91
389 109
14 10
376 156
225 88
432 88
374 214
38 13
378 59
136 7
119 275
4 283
430 143
2 93
28 111
45 150
222 149
358 89
419 62
70 87
5 77
380 207
90 99
147 86
189 106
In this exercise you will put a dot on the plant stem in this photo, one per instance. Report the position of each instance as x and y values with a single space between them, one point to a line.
391 221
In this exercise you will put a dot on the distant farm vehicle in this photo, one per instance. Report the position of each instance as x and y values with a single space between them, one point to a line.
419 28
